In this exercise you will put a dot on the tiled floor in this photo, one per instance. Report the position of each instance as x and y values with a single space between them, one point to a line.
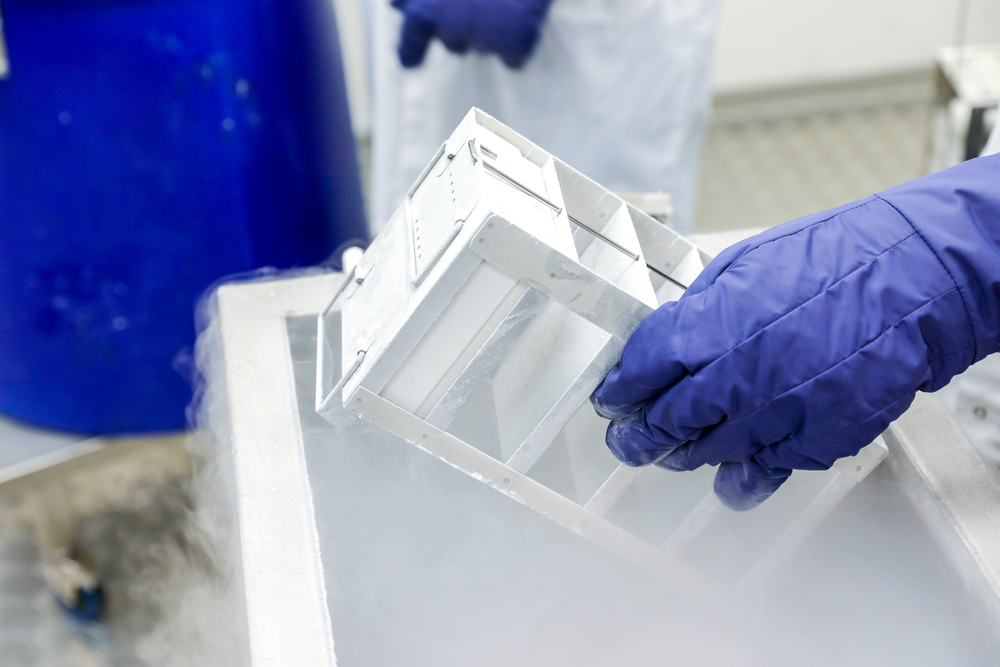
767 161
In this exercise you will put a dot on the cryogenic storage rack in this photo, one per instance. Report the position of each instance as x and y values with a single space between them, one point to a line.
487 311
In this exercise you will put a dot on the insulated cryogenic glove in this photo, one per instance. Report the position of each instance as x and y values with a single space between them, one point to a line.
800 345
509 28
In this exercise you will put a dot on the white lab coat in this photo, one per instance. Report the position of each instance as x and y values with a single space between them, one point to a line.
974 396
619 89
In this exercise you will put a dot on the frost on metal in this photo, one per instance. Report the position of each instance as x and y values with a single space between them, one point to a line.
487 311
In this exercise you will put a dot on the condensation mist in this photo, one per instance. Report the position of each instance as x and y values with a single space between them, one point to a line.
427 566
424 565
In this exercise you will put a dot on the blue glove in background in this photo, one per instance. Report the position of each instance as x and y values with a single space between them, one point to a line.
509 28
800 345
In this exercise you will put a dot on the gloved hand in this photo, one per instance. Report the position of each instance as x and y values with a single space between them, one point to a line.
799 346
509 28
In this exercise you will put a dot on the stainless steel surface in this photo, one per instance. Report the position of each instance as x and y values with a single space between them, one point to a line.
287 619
403 587
971 73
953 491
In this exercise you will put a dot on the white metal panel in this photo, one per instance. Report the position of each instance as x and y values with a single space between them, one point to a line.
287 615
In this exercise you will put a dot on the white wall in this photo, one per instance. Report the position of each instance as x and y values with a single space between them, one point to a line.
765 43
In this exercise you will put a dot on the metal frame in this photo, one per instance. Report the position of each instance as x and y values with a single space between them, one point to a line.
509 275
955 493
287 618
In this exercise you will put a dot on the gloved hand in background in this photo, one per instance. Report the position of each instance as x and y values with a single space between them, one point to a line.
799 346
509 28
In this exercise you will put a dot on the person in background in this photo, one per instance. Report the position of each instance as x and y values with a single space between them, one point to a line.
619 89
793 348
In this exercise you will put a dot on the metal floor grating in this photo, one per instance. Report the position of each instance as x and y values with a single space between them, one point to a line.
766 162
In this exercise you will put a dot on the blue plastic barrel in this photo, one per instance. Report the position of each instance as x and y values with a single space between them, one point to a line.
147 148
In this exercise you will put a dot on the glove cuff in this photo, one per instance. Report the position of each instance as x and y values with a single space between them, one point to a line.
957 214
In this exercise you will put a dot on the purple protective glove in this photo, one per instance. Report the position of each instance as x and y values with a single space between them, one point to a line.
800 345
509 28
